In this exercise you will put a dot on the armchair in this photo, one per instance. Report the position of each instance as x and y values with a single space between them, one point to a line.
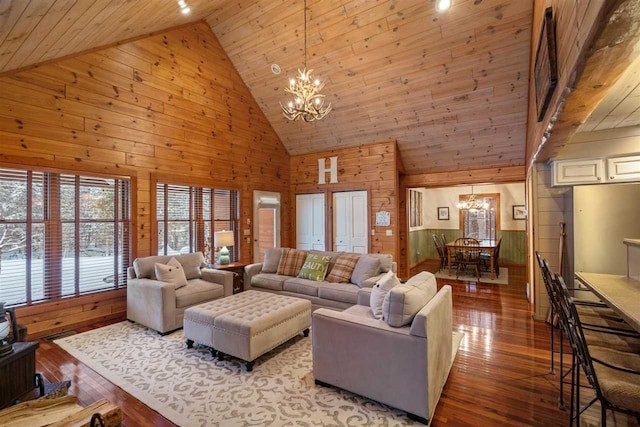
404 367
159 305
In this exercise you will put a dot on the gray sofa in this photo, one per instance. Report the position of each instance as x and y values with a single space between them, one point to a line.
405 367
337 296
159 305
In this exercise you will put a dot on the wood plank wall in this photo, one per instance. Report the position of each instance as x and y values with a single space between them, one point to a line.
576 23
549 211
369 167
171 103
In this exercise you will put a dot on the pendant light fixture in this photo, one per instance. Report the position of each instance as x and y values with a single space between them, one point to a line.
307 102
472 203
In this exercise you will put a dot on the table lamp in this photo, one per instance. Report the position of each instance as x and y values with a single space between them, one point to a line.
223 239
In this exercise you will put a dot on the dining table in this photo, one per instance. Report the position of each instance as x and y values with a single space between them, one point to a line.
488 246
620 293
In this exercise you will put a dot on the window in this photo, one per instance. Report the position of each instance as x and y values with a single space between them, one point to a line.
481 224
187 217
61 235
415 208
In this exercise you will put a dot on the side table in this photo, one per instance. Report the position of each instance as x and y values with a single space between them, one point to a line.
237 268
17 370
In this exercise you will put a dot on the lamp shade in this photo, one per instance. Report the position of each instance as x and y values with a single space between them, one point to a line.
223 238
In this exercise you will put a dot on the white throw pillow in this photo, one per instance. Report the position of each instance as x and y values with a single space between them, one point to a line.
171 272
380 291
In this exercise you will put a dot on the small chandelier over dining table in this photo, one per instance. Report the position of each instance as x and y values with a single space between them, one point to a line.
473 203
307 103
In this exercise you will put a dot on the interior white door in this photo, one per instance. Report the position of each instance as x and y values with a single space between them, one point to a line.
266 222
310 221
350 222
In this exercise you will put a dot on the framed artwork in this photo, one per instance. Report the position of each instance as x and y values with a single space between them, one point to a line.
443 213
415 208
519 212
545 72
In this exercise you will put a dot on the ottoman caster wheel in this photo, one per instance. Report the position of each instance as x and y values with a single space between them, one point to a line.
214 352
189 343
249 366
220 355
306 332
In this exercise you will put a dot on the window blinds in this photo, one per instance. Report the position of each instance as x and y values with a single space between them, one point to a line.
61 235
187 217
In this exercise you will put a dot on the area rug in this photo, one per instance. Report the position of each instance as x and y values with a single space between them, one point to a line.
191 388
470 276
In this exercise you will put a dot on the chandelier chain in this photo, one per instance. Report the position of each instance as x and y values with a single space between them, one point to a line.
305 33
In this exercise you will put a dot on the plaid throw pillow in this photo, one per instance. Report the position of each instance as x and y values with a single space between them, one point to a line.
341 272
291 262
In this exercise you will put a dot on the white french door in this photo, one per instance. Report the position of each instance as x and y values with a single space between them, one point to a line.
310 221
266 222
350 222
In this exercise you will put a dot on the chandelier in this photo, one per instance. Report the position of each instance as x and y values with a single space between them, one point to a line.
307 102
473 203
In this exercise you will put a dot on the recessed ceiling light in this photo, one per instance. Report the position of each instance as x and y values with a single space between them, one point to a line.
275 69
186 10
443 5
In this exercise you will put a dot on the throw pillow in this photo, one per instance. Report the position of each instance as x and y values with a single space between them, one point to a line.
271 260
403 302
192 264
380 291
332 254
365 268
342 270
171 272
385 261
291 262
315 267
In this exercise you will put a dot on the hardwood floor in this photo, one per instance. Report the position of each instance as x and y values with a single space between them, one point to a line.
500 376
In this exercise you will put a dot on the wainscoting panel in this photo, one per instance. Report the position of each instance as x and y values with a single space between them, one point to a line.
512 250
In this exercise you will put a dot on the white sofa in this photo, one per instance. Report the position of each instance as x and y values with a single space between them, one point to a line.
159 305
337 296
405 367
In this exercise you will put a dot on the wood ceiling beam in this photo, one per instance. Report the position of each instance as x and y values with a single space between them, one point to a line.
464 177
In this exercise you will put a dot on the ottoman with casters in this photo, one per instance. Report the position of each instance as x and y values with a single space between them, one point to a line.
246 325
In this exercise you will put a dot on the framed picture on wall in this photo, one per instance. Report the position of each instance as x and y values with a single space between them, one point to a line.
545 72
443 213
519 212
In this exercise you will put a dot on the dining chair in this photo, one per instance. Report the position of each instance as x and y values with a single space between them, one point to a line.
496 258
485 259
442 252
467 256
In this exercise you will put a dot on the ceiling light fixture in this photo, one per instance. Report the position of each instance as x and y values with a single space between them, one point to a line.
307 102
443 5
473 203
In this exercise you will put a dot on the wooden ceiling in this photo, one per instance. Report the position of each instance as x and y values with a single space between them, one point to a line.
450 87
621 106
